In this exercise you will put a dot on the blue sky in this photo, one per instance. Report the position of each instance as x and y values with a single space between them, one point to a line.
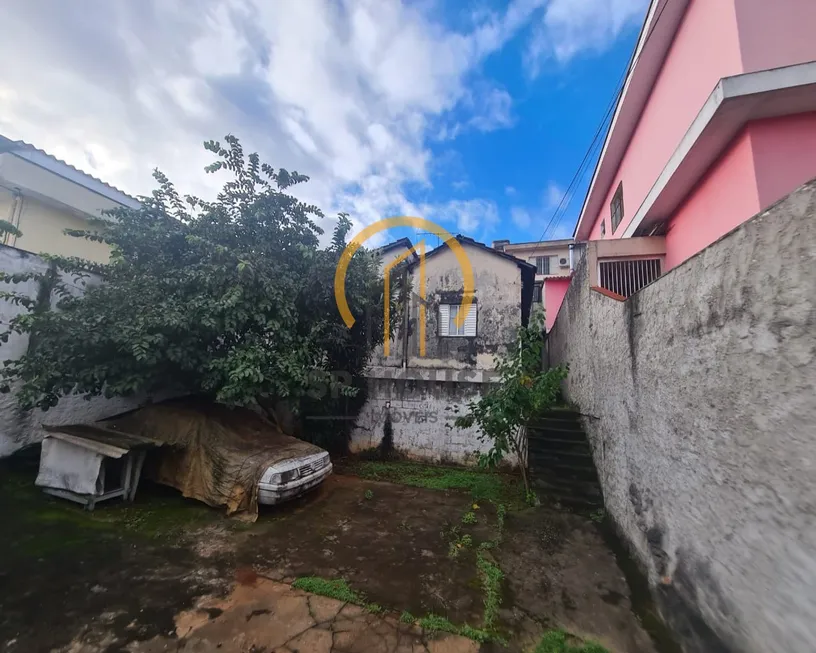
475 116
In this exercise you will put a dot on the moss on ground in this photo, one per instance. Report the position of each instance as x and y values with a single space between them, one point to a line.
559 641
39 525
483 485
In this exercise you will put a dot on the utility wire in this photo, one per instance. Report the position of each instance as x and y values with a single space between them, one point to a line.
576 179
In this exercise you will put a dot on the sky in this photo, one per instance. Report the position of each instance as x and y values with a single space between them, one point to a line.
473 115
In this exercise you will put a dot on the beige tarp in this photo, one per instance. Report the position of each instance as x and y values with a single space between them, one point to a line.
217 454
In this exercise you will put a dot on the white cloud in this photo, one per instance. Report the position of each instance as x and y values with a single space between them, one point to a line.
535 220
520 217
510 191
346 92
569 27
476 218
553 195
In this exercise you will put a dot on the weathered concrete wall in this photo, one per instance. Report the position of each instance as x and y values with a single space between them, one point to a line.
19 428
703 392
422 411
498 301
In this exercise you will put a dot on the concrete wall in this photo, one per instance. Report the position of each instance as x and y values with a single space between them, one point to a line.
19 428
702 392
554 292
43 225
705 49
784 153
728 191
422 411
556 250
776 34
498 301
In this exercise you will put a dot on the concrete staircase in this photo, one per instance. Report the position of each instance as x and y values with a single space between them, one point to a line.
560 461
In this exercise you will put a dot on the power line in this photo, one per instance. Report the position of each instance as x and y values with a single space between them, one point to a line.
595 142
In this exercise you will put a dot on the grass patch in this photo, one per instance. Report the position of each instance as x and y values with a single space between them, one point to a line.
334 589
559 641
407 618
484 485
491 577
434 624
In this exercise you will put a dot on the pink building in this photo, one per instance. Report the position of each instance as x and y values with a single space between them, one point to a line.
716 122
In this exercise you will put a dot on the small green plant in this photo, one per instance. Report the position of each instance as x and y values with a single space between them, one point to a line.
469 518
368 495
597 515
491 576
483 484
559 641
458 545
522 393
501 513
375 608
433 623
476 634
334 589
531 498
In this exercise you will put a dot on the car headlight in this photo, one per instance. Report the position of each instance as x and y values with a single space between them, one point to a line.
291 475
283 477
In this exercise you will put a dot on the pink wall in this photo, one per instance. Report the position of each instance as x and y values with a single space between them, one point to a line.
784 154
554 291
776 33
726 197
705 49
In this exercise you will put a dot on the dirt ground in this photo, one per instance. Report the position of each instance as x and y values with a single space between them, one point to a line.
126 578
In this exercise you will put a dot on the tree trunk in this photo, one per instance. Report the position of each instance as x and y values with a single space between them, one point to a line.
522 458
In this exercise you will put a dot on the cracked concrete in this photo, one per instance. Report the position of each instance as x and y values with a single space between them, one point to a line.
266 616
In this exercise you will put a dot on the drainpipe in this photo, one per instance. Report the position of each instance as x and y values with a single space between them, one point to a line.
572 266
15 213
405 320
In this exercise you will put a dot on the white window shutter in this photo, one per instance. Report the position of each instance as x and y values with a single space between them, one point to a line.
444 319
470 321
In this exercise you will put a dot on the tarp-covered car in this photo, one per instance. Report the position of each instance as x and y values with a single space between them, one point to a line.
225 456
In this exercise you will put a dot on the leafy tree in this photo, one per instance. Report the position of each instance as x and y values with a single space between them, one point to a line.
521 393
231 299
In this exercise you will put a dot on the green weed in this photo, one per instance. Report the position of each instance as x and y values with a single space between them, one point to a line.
435 624
334 589
368 494
458 545
407 618
491 576
469 518
559 641
597 515
375 608
484 485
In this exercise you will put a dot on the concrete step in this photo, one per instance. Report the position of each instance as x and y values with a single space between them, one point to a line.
537 432
564 457
580 490
553 446
562 472
545 423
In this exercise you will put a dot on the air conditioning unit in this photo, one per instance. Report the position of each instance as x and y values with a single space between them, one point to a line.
563 262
